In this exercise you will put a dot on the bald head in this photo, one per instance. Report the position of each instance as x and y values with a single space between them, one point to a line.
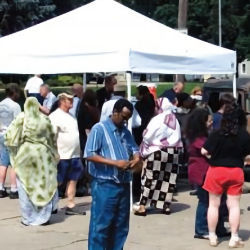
44 90
77 90
178 87
110 82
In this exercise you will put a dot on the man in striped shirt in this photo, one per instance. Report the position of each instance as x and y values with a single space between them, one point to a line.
112 154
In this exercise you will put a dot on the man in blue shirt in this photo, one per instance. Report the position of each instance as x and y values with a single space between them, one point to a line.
171 93
112 154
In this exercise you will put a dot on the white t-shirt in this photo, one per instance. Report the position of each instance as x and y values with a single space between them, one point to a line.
8 112
107 110
49 100
33 85
66 128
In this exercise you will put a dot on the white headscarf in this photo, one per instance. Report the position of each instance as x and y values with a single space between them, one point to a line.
163 131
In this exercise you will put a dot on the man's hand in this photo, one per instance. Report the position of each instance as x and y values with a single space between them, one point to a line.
122 164
136 163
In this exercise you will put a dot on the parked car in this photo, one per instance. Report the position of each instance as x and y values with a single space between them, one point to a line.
214 88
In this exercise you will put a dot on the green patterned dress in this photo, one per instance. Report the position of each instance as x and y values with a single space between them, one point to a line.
32 145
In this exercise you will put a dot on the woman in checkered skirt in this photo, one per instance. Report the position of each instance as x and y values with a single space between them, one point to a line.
161 148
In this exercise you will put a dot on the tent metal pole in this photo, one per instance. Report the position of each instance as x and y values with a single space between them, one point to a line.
128 79
234 86
84 81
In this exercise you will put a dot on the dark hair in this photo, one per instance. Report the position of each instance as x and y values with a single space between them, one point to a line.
185 100
11 89
109 79
232 120
196 124
143 90
226 99
90 97
147 100
121 103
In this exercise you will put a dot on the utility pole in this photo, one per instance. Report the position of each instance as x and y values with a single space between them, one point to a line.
220 36
182 24
182 14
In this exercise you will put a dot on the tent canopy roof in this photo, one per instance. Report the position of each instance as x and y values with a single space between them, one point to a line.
105 36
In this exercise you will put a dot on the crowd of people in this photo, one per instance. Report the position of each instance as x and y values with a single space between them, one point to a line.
58 144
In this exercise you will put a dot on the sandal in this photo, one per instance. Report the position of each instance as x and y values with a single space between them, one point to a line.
140 213
166 211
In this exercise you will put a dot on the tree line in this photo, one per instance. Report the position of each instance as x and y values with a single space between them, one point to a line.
202 21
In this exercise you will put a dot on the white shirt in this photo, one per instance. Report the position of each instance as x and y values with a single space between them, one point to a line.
8 112
73 110
107 110
33 85
66 128
49 100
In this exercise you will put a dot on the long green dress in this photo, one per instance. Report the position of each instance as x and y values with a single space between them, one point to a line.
32 145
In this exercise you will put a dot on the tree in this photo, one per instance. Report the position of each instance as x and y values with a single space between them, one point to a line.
63 6
19 14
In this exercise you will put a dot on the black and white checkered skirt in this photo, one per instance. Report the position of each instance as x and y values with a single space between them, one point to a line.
159 178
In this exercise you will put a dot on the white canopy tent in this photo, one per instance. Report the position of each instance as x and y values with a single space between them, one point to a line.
105 36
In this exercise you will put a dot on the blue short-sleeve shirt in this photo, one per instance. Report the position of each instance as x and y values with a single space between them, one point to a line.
109 141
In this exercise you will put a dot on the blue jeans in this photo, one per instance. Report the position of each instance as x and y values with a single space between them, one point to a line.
110 210
201 227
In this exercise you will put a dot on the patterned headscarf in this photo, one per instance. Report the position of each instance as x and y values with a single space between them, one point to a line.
32 146
163 130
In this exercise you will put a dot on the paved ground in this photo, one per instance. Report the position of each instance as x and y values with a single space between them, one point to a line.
153 232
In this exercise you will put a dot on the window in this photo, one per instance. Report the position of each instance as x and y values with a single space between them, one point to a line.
243 68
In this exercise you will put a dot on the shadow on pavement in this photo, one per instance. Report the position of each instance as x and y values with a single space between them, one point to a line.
244 234
175 208
61 216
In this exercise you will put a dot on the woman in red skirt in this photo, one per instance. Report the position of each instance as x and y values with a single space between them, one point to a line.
226 149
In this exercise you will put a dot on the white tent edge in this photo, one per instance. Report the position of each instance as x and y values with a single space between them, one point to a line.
143 55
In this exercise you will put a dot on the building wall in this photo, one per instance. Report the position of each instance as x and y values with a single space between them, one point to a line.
244 68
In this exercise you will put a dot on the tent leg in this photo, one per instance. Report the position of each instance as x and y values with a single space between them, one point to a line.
128 78
84 81
234 86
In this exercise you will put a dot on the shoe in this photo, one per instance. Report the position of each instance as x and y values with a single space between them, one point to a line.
74 211
13 195
140 213
202 237
213 241
166 211
54 211
3 193
235 243
45 223
248 208
24 224
193 192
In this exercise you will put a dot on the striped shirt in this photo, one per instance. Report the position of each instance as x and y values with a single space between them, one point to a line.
111 142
